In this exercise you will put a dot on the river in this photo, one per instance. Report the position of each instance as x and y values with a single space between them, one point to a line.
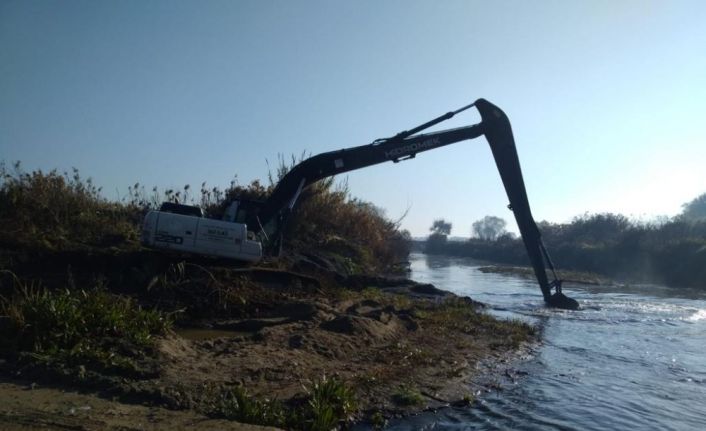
634 357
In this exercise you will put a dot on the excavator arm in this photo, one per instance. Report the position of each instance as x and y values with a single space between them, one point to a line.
498 132
495 126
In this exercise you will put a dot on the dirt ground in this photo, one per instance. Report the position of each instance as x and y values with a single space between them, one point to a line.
381 350
401 346
32 407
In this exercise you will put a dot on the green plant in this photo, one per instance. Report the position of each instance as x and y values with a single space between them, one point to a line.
237 404
78 327
327 403
330 401
407 396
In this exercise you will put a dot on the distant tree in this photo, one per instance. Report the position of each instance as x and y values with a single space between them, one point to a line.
695 210
441 227
597 228
440 230
506 237
489 228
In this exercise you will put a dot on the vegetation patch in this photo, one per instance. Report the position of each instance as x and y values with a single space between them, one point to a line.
328 403
61 211
407 396
76 327
459 314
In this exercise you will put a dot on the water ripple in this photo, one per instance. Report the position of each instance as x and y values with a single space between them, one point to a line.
631 358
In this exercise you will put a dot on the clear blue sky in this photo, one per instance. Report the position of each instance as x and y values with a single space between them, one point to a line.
607 99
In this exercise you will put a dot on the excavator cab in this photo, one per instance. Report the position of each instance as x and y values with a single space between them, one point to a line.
243 211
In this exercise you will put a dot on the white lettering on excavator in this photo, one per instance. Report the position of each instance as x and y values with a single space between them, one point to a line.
412 148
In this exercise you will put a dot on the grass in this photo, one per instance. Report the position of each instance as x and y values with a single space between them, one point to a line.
236 404
399 301
328 403
407 396
459 315
90 328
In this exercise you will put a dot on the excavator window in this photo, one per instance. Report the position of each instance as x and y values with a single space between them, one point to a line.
189 210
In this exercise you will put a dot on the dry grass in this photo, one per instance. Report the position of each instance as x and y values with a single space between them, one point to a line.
62 211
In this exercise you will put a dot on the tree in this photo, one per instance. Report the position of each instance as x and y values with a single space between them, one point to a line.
597 228
695 210
489 228
440 227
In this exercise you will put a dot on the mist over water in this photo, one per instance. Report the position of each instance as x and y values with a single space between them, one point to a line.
633 357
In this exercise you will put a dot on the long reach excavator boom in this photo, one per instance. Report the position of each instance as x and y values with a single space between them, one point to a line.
248 229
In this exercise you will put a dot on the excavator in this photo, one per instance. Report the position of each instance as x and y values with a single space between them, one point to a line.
250 230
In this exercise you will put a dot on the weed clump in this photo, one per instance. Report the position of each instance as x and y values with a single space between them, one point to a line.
76 327
236 404
328 403
407 396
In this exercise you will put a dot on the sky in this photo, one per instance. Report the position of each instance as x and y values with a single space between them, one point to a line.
606 99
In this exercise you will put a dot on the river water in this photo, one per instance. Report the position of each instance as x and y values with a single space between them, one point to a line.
632 358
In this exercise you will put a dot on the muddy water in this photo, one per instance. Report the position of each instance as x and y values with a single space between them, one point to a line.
632 358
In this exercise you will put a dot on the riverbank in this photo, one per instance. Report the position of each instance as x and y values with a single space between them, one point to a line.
644 343
262 344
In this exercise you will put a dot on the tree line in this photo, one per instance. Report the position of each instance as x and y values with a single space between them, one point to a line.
666 250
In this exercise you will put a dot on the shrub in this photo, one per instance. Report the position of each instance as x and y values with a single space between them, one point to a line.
52 210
